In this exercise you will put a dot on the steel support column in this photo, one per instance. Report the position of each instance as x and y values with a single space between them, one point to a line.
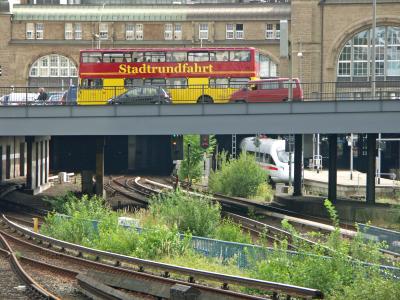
371 152
298 158
332 181
100 141
29 162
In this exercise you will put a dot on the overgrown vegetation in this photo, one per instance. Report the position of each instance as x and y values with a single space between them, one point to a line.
241 177
342 276
191 166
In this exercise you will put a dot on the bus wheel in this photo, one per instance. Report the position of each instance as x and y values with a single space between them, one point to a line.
240 101
205 99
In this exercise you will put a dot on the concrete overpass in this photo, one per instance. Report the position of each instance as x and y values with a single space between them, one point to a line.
274 118
328 117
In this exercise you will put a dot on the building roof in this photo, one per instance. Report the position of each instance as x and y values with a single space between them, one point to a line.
150 13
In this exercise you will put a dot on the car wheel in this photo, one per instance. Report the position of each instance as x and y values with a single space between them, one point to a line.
205 99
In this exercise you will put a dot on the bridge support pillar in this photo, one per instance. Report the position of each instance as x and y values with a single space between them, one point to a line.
100 142
371 167
298 158
332 179
37 162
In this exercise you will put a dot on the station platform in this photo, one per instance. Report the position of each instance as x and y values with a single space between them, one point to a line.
316 183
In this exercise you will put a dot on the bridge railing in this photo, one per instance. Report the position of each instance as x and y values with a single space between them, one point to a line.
212 93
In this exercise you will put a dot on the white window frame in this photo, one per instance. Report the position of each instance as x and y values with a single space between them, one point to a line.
103 31
139 31
203 31
168 31
30 31
68 31
239 34
78 31
129 31
269 31
230 32
277 31
39 31
178 32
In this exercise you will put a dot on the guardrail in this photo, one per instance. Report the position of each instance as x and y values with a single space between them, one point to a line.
210 93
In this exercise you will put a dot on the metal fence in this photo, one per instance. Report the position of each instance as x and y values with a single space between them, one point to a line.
377 234
211 93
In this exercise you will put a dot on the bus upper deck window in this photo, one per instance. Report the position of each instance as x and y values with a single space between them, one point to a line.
222 55
137 57
91 57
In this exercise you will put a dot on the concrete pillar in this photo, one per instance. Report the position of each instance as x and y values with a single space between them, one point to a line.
100 166
46 157
298 158
371 167
131 152
332 181
31 163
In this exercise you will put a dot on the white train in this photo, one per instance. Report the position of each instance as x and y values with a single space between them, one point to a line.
272 156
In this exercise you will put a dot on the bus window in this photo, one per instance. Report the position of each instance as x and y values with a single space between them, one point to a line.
198 56
113 57
239 55
213 56
218 82
154 57
222 55
92 83
137 56
238 83
176 56
131 82
154 81
91 57
177 83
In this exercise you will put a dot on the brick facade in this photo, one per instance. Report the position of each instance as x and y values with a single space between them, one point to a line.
319 30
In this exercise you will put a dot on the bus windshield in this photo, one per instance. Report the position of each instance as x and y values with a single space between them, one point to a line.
283 156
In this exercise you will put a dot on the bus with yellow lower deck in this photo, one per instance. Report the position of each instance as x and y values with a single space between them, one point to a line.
190 75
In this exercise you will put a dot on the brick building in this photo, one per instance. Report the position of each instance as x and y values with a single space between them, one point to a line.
40 39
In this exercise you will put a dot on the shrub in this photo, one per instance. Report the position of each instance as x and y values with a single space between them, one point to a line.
194 214
227 230
240 177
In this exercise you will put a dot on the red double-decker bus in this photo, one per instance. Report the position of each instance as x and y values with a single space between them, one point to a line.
189 74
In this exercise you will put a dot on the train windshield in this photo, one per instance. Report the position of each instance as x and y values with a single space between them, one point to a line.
283 156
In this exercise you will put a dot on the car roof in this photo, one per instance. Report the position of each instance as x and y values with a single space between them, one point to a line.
272 80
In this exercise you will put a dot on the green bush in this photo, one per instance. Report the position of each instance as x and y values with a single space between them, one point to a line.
161 241
194 214
240 177
228 230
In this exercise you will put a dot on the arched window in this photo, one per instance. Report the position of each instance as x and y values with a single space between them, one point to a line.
355 59
52 70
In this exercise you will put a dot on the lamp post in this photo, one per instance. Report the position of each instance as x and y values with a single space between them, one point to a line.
99 38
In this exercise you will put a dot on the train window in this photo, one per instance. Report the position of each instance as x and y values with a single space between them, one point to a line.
131 82
154 57
177 83
176 56
91 57
114 57
218 82
137 57
154 81
198 56
238 83
92 83
222 55
239 55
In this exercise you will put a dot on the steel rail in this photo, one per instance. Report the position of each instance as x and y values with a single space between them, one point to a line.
36 288
291 290
125 272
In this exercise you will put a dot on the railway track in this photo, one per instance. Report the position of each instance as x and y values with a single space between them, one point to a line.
74 260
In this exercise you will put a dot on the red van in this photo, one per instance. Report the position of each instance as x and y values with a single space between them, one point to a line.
268 90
